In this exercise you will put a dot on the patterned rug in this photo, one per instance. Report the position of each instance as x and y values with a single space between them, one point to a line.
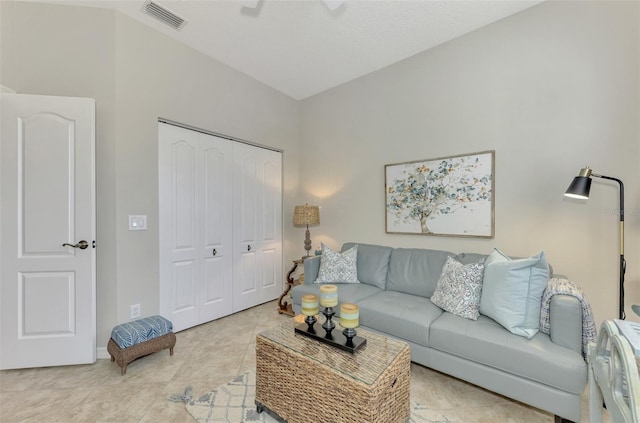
233 402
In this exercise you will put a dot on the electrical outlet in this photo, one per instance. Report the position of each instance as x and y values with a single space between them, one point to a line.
135 311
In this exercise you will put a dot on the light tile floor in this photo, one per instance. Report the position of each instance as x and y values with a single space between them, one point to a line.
205 357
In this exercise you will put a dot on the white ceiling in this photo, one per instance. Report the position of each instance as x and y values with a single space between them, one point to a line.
301 47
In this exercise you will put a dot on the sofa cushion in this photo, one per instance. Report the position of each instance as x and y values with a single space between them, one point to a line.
128 334
373 263
458 289
415 270
468 258
347 292
484 341
512 291
401 315
338 267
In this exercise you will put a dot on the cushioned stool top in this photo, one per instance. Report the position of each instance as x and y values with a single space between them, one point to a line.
141 330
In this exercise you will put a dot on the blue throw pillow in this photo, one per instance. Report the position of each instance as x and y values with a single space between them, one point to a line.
512 291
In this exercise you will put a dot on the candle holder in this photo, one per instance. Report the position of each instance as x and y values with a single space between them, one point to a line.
310 309
310 321
328 324
349 333
349 319
336 340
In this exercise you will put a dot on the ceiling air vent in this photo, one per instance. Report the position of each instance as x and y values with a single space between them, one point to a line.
163 14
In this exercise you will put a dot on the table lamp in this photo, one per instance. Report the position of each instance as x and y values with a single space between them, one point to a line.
304 216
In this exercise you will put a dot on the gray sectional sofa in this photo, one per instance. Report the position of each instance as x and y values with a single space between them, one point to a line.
546 371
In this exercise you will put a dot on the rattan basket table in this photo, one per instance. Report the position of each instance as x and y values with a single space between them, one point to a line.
300 380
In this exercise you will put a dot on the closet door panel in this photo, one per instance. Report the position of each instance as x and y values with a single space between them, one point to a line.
216 229
183 194
269 265
246 276
246 198
270 202
215 291
246 181
178 197
184 287
271 233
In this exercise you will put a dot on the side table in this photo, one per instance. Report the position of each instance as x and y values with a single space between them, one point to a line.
284 307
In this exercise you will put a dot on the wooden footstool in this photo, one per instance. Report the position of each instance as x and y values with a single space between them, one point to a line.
135 339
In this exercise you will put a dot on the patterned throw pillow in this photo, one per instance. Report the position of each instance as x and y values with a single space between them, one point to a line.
338 267
459 287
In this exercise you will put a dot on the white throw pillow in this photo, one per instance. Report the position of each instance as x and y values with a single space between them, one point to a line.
338 267
459 287
512 291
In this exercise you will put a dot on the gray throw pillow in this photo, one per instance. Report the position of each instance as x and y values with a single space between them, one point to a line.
338 267
459 287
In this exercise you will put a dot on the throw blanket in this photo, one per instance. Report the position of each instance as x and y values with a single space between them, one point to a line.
565 286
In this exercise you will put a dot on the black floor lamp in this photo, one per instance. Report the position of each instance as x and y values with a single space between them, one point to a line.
579 188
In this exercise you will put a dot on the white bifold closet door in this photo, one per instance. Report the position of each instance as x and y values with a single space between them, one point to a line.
257 226
220 226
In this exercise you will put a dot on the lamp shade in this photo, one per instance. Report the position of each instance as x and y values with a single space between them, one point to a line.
579 188
581 185
306 215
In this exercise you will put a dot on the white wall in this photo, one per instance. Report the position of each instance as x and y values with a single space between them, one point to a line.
551 90
137 74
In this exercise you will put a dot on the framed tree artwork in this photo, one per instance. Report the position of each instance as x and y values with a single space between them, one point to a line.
447 196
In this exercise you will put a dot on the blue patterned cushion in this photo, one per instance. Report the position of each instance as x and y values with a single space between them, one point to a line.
141 330
459 287
338 267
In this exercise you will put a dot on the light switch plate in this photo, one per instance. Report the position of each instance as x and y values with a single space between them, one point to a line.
137 222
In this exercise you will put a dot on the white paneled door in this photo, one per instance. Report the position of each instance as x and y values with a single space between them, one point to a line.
257 225
47 231
195 226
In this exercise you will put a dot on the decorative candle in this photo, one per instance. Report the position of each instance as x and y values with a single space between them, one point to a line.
349 315
310 304
328 295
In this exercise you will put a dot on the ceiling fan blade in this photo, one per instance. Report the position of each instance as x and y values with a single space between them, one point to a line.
333 4
251 4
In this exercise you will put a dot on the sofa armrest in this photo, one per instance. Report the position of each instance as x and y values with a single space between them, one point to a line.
565 322
311 269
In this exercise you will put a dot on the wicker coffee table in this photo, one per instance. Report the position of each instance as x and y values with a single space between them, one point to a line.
300 380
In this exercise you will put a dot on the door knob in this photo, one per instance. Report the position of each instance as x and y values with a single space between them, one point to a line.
82 245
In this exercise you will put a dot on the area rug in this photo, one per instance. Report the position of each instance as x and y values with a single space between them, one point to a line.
233 402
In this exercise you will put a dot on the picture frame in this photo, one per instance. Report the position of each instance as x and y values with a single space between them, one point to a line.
445 196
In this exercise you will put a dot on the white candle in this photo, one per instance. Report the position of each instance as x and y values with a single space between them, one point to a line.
349 315
328 295
310 304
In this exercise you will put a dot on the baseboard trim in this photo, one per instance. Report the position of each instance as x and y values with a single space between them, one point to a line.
102 353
